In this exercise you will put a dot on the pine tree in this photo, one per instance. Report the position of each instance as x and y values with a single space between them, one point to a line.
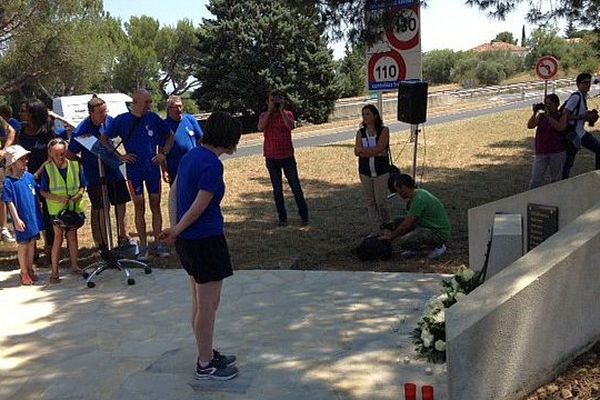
252 46
523 38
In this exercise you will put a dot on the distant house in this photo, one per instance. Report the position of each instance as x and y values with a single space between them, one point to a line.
501 46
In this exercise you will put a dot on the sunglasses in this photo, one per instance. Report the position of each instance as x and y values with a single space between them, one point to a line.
56 141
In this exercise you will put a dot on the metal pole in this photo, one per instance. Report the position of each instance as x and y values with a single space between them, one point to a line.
380 102
545 88
414 132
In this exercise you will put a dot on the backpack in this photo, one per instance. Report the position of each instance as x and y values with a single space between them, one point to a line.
372 249
571 138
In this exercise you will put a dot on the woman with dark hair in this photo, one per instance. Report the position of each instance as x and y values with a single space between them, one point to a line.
371 148
550 149
34 136
198 234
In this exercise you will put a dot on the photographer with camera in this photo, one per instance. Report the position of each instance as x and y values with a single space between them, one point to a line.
577 114
550 150
277 124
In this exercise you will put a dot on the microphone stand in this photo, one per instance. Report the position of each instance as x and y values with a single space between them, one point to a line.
111 258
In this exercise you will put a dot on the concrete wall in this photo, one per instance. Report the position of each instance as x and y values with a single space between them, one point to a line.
513 333
343 111
572 197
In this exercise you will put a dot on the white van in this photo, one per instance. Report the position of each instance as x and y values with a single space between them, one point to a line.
74 108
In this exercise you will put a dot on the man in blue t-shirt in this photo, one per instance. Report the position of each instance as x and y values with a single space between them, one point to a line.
95 125
188 134
7 114
147 140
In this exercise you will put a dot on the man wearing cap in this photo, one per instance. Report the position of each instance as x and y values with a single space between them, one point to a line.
188 134
147 140
426 225
95 125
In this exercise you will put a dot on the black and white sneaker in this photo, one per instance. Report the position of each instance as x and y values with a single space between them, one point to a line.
212 372
222 360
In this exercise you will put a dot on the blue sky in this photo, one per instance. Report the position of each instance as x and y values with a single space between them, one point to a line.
445 23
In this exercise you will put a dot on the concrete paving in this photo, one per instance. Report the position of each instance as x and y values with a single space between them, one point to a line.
297 335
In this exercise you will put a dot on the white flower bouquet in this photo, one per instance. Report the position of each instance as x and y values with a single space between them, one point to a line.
430 335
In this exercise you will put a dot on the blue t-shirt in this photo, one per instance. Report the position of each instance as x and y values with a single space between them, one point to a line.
45 179
12 122
150 131
23 194
187 134
201 169
89 160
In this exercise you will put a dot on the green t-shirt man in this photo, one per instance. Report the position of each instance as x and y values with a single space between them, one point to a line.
430 213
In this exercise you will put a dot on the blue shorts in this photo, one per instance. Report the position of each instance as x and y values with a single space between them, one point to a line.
137 179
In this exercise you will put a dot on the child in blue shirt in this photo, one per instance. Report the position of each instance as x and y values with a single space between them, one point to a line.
23 204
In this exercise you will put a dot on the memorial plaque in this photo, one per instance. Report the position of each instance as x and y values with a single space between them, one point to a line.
542 222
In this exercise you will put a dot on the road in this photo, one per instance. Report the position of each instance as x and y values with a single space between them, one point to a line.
513 102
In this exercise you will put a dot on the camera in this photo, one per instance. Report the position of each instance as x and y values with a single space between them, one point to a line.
539 107
594 117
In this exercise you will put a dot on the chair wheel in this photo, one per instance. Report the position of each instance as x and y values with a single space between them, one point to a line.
131 281
91 284
85 275
147 270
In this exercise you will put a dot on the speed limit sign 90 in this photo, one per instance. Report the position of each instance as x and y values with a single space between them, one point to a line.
386 69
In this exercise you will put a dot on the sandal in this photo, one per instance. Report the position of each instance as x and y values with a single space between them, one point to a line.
54 278
77 271
34 277
26 280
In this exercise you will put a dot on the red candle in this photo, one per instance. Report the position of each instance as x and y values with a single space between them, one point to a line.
427 392
410 391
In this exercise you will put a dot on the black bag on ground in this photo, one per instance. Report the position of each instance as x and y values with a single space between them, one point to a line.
371 249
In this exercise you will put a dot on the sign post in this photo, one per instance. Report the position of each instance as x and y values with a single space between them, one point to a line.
546 68
397 55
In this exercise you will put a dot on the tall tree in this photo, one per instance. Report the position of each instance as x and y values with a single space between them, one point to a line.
523 37
252 46
351 72
506 37
52 47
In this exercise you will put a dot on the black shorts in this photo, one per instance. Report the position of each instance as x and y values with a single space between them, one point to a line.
206 260
117 194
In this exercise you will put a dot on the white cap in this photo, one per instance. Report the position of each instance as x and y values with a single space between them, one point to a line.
13 153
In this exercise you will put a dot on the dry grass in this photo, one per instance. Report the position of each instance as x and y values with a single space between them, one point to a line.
465 163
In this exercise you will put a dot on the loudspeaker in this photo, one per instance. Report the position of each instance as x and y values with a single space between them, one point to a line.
412 101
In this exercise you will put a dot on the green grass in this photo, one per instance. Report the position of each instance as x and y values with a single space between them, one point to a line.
465 163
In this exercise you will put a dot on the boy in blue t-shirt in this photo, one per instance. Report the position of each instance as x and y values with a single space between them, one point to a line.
188 134
147 140
20 195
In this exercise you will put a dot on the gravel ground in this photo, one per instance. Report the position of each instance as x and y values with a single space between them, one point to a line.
580 381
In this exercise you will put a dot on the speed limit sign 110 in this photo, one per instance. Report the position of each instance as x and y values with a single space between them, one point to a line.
397 55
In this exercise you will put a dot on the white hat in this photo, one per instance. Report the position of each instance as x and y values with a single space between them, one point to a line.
13 153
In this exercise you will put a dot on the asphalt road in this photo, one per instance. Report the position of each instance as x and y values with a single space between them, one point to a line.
348 134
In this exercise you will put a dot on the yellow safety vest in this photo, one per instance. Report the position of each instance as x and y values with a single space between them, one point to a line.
58 186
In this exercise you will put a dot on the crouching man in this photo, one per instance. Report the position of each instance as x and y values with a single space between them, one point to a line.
426 227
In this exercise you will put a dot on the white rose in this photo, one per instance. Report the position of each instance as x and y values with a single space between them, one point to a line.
440 317
426 337
467 274
440 345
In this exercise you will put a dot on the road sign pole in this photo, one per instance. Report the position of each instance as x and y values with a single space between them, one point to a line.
380 102
414 133
545 89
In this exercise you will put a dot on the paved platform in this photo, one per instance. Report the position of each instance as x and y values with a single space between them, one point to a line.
297 334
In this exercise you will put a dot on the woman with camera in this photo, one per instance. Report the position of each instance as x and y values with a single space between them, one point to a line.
371 148
550 150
